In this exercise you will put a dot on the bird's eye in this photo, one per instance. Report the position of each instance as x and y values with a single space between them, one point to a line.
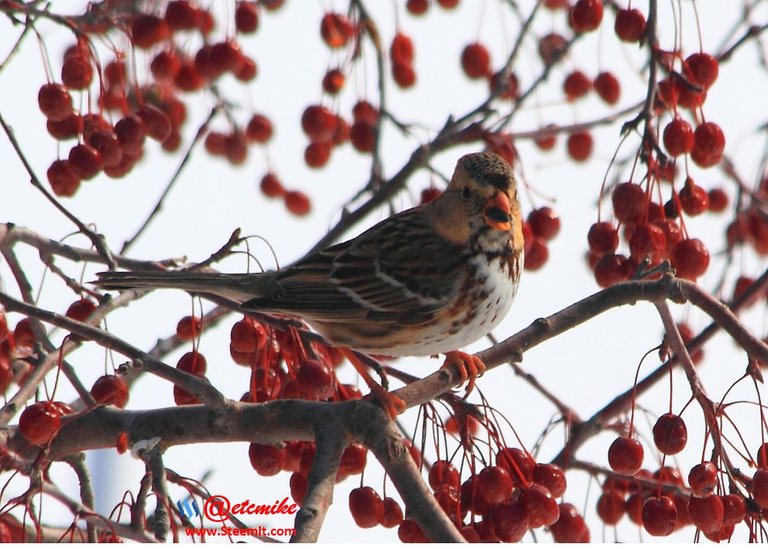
466 192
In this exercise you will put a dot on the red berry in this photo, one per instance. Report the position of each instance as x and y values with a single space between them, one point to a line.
443 473
629 25
247 336
703 478
630 203
541 507
297 202
494 484
603 238
759 487
110 389
130 131
77 71
333 81
85 161
62 178
670 434
576 85
551 477
570 527
659 516
54 102
189 328
612 269
647 241
410 532
165 65
366 507
317 154
607 87
362 135
690 258
708 145
625 455
536 255
315 379
81 309
509 521
193 363
188 78
298 487
544 222
182 15
247 17
734 509
266 460
505 85
580 145
403 75
318 123
610 507
476 61
69 128
148 30
39 422
363 111
702 69
678 137
401 49
157 125
271 186
586 15
336 30
216 143
693 198
718 200
551 47
518 463
393 513
236 148
706 513
429 194
417 7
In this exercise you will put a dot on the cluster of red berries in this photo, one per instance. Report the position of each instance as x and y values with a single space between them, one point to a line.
421 7
751 223
112 132
662 503
40 421
282 367
502 501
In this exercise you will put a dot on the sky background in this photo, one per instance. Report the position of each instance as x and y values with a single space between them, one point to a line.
584 367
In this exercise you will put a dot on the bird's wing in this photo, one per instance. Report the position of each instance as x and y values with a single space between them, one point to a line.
400 270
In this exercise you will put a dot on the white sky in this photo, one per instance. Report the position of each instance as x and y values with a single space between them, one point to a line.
585 367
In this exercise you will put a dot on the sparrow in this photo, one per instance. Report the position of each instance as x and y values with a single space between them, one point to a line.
426 281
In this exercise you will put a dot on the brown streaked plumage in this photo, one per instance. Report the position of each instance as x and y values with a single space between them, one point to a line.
428 280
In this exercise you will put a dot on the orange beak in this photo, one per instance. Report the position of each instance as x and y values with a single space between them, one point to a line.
497 212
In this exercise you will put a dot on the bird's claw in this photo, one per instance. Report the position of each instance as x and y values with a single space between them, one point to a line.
392 404
469 367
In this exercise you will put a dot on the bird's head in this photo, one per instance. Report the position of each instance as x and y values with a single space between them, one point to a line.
481 203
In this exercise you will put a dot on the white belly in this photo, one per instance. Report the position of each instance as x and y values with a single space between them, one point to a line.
499 290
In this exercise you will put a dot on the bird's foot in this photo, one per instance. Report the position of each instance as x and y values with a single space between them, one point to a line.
392 404
468 366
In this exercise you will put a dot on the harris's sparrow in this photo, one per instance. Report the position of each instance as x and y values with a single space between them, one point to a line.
428 280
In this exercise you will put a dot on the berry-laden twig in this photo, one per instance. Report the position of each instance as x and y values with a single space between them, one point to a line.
97 240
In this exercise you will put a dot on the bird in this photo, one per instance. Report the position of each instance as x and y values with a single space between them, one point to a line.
426 281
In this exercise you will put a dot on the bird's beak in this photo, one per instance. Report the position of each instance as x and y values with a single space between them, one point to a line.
497 212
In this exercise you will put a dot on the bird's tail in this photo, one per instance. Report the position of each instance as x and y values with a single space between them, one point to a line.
240 287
